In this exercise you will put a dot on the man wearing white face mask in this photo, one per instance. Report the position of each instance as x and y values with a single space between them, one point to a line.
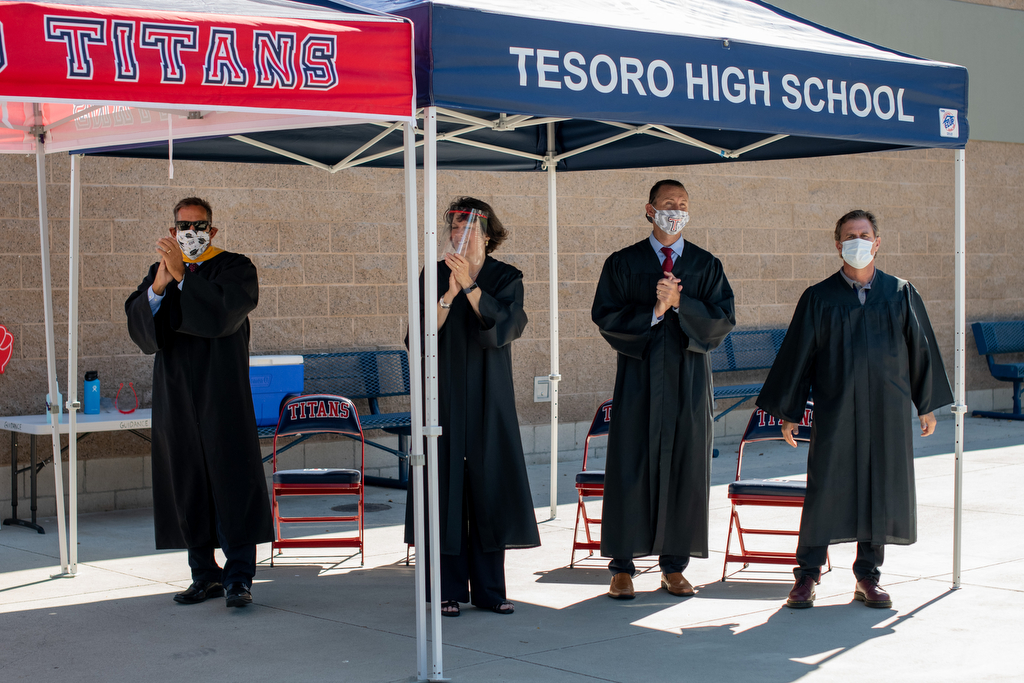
209 489
662 304
860 344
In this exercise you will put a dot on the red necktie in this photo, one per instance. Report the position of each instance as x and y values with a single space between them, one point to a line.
193 266
667 263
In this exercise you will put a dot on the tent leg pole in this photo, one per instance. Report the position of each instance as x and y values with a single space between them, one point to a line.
960 331
412 257
433 430
51 352
554 377
73 404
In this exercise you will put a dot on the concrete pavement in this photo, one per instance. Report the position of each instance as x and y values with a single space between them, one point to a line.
325 618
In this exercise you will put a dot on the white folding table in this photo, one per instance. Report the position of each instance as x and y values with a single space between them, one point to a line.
36 425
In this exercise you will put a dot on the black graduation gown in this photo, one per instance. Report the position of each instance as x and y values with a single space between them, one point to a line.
863 364
658 468
480 451
206 455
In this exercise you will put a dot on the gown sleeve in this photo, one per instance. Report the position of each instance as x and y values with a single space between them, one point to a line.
216 307
785 391
502 316
144 328
929 385
625 325
706 321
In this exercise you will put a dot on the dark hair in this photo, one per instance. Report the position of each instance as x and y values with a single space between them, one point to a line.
856 215
194 201
668 182
656 188
496 232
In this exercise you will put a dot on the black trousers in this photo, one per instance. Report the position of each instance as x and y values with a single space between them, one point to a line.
473 572
669 564
473 575
869 559
239 565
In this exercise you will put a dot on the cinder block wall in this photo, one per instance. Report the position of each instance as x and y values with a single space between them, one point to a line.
331 255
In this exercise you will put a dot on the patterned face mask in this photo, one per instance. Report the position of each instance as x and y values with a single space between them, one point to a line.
671 222
193 242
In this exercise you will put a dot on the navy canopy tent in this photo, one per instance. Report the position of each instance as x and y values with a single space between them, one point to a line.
726 79
535 85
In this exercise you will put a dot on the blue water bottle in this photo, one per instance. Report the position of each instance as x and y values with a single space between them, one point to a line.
92 393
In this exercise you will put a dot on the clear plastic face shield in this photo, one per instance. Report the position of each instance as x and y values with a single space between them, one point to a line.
464 234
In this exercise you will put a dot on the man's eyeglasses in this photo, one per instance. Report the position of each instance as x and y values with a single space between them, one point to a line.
201 226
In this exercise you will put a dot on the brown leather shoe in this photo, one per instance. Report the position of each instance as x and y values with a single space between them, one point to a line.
802 595
622 587
871 594
676 584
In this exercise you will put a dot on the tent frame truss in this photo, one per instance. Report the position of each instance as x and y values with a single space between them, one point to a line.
506 122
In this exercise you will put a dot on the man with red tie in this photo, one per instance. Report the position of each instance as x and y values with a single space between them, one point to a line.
663 304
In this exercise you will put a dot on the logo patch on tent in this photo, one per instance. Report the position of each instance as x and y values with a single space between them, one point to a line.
949 123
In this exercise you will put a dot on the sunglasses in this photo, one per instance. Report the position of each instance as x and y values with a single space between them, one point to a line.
184 226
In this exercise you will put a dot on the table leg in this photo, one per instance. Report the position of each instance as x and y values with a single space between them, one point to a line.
13 520
14 479
33 471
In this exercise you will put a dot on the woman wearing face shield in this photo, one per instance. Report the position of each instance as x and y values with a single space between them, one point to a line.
484 494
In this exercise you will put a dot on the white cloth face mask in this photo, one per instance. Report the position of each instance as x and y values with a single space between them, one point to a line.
670 221
857 252
193 242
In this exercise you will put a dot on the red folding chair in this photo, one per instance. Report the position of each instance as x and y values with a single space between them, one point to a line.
318 414
764 493
590 484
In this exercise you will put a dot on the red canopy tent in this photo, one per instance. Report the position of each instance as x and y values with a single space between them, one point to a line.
76 76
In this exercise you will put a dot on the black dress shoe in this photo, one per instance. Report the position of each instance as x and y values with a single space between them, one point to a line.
238 595
199 591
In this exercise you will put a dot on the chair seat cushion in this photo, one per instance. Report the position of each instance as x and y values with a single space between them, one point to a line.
317 476
768 487
590 477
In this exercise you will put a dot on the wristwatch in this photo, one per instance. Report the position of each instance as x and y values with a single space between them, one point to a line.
443 304
469 289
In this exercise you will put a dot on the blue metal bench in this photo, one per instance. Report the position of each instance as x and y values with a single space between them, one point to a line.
744 350
998 338
369 375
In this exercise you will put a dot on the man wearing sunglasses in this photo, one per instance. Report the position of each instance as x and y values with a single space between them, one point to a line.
209 489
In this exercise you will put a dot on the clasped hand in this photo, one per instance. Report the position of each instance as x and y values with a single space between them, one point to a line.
460 277
172 264
668 294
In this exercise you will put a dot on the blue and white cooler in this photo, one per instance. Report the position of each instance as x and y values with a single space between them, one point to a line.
272 378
